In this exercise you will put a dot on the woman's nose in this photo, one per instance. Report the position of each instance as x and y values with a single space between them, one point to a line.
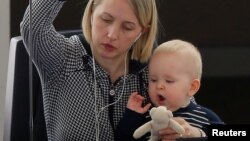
113 32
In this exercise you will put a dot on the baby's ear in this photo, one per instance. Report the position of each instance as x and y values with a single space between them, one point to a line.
195 86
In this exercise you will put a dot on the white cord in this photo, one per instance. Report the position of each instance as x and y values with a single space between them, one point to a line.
123 86
125 75
97 114
31 122
96 107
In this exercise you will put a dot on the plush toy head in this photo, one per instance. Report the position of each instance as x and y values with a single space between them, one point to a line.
160 115
161 119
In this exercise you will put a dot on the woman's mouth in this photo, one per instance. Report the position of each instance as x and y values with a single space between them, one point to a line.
108 47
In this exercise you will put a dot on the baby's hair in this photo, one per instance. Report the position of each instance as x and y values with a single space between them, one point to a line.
177 46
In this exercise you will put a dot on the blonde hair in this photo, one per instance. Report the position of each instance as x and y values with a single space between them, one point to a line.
175 46
146 12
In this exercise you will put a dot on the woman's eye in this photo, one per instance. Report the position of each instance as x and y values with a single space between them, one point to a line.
107 20
128 28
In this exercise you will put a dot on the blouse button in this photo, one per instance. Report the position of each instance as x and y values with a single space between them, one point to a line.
112 92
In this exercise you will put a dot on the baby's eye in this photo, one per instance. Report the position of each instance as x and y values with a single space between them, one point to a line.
169 81
152 80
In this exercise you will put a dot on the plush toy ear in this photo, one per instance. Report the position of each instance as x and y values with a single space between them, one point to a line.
169 113
195 86
152 111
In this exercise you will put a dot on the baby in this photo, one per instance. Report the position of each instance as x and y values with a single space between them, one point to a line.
175 71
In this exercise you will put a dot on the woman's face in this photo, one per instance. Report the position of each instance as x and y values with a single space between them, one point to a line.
115 27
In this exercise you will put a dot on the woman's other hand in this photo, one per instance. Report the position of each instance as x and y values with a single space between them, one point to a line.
169 134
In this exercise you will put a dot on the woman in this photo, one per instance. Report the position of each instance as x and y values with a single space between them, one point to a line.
86 83
77 93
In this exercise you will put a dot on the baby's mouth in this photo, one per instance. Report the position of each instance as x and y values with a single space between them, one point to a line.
161 98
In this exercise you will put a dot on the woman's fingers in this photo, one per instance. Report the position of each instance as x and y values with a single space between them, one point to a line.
166 131
180 120
168 134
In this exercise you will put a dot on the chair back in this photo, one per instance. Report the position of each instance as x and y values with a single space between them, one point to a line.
17 106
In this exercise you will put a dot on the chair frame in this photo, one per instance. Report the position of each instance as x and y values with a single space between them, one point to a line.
17 112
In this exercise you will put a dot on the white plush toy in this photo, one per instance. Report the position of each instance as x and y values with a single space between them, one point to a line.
161 118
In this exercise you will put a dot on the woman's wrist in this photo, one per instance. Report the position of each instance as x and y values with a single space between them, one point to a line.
202 133
197 132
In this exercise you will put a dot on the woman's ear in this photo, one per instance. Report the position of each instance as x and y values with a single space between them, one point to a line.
145 29
195 86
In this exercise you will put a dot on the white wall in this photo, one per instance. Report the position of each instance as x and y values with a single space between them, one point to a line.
4 50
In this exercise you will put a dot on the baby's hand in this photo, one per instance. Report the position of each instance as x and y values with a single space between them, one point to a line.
135 103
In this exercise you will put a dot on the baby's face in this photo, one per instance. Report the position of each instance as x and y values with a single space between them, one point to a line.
169 80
